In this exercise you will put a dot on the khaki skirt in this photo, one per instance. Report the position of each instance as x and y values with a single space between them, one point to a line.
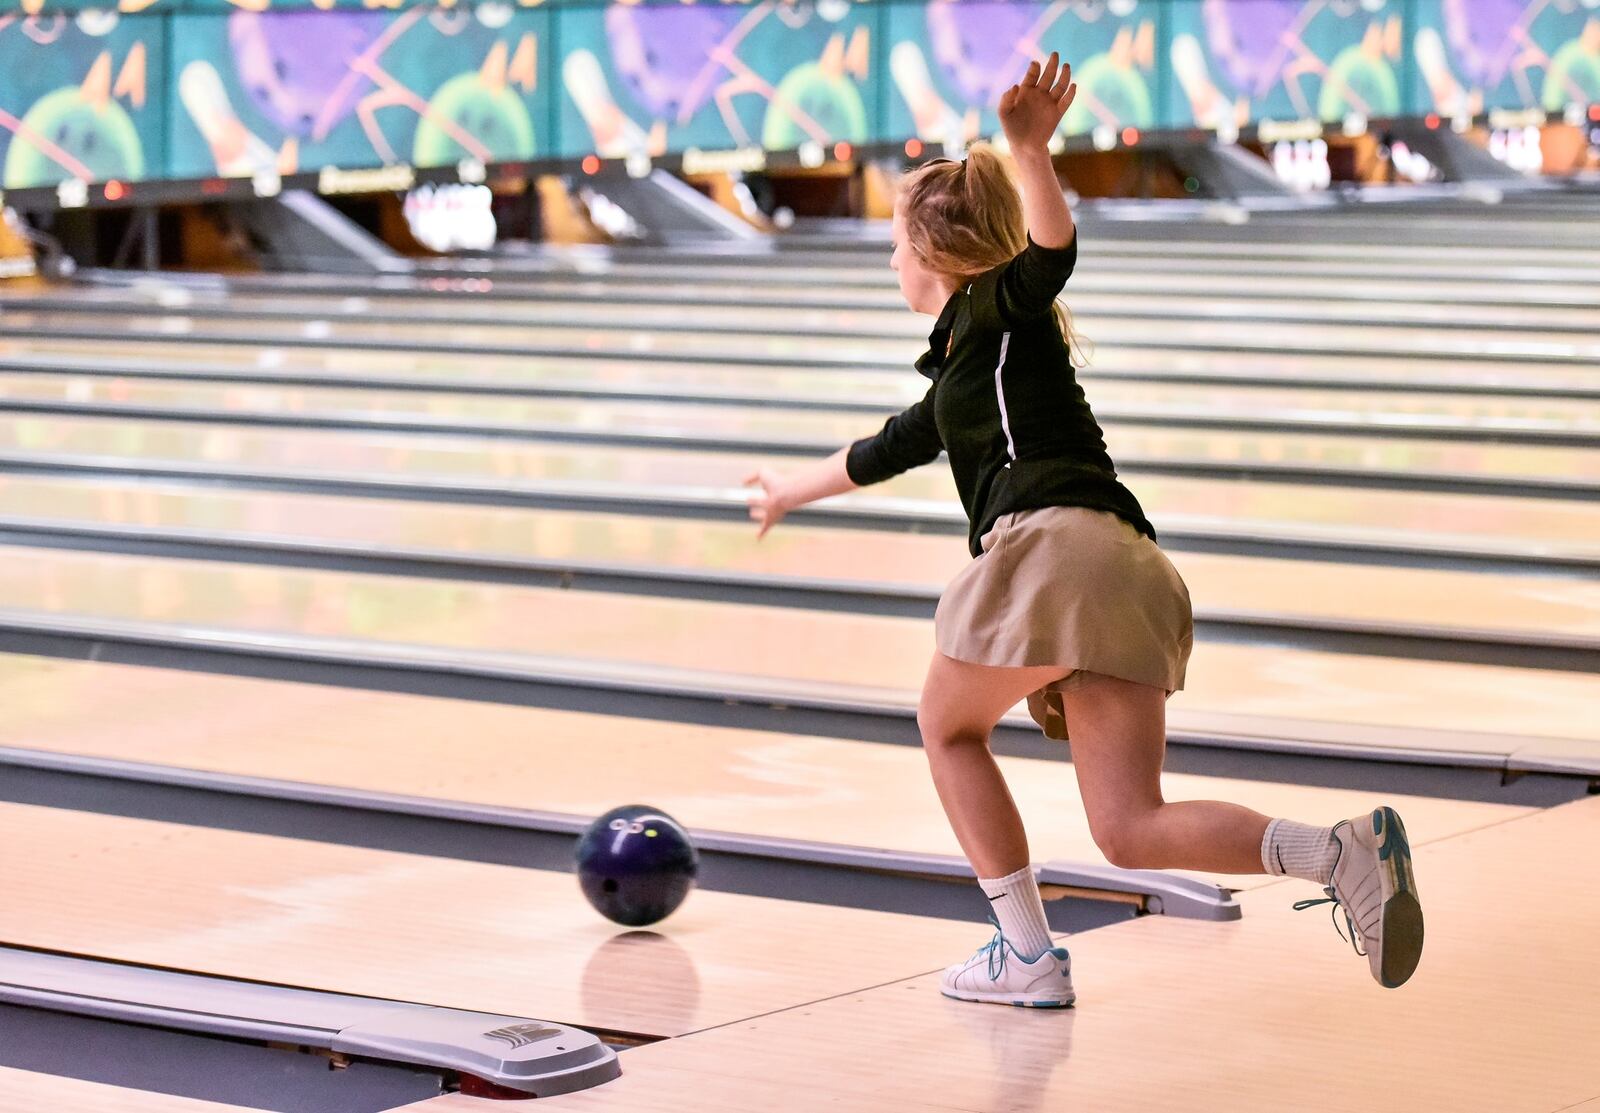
1073 587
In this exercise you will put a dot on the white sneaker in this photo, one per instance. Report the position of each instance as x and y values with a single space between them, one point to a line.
1375 885
996 974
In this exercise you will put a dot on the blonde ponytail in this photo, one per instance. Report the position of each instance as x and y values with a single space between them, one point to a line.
965 218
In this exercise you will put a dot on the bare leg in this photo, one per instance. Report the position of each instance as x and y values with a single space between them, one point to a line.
1119 741
960 705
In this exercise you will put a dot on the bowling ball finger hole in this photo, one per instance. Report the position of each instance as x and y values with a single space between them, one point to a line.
609 886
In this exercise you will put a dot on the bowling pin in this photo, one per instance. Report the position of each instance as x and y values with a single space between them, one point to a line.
1283 162
238 152
1206 101
1450 98
933 119
615 134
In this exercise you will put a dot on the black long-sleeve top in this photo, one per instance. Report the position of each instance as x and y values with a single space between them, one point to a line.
1004 403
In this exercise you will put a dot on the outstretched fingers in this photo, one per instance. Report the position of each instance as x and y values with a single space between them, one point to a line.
1063 83
1047 79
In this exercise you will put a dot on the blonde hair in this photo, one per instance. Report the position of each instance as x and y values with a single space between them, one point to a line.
965 218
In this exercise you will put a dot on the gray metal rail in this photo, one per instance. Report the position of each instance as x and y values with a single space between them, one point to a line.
1129 463
791 869
1153 310
1489 552
1510 770
1522 649
273 1047
1244 342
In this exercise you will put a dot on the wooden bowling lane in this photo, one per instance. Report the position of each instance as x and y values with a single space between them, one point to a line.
755 783
1480 372
1569 347
1098 279
24 1091
446 411
1269 1013
600 312
1481 416
1535 468
622 367
1501 416
1227 247
444 370
1425 705
1209 260
506 340
691 1093
1270 510
489 938
1103 311
1509 606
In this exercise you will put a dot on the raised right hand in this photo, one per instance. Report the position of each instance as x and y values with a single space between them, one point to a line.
1031 110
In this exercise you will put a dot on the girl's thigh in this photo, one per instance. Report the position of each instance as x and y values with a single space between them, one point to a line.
964 700
1119 742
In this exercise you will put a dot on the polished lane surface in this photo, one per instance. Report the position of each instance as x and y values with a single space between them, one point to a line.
1522 607
508 468
1530 469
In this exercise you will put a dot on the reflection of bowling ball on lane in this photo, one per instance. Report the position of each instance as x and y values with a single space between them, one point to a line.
636 864
1117 90
641 981
100 136
494 117
829 99
1358 82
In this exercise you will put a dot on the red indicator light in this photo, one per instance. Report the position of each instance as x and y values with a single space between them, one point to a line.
1130 136
913 148
115 191
1594 113
841 152
591 164
1432 120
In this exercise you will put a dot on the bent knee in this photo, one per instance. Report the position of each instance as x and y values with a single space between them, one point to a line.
940 732
1122 841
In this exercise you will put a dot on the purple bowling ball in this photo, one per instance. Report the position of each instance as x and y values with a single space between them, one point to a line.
1479 34
663 54
636 864
1249 39
981 48
296 65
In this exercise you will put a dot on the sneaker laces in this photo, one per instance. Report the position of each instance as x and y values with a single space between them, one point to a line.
995 949
1338 907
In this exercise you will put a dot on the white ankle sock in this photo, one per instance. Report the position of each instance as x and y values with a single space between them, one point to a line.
1299 850
1016 903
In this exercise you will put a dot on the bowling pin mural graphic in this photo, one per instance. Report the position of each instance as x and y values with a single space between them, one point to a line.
304 98
1476 54
671 63
80 132
951 72
237 151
